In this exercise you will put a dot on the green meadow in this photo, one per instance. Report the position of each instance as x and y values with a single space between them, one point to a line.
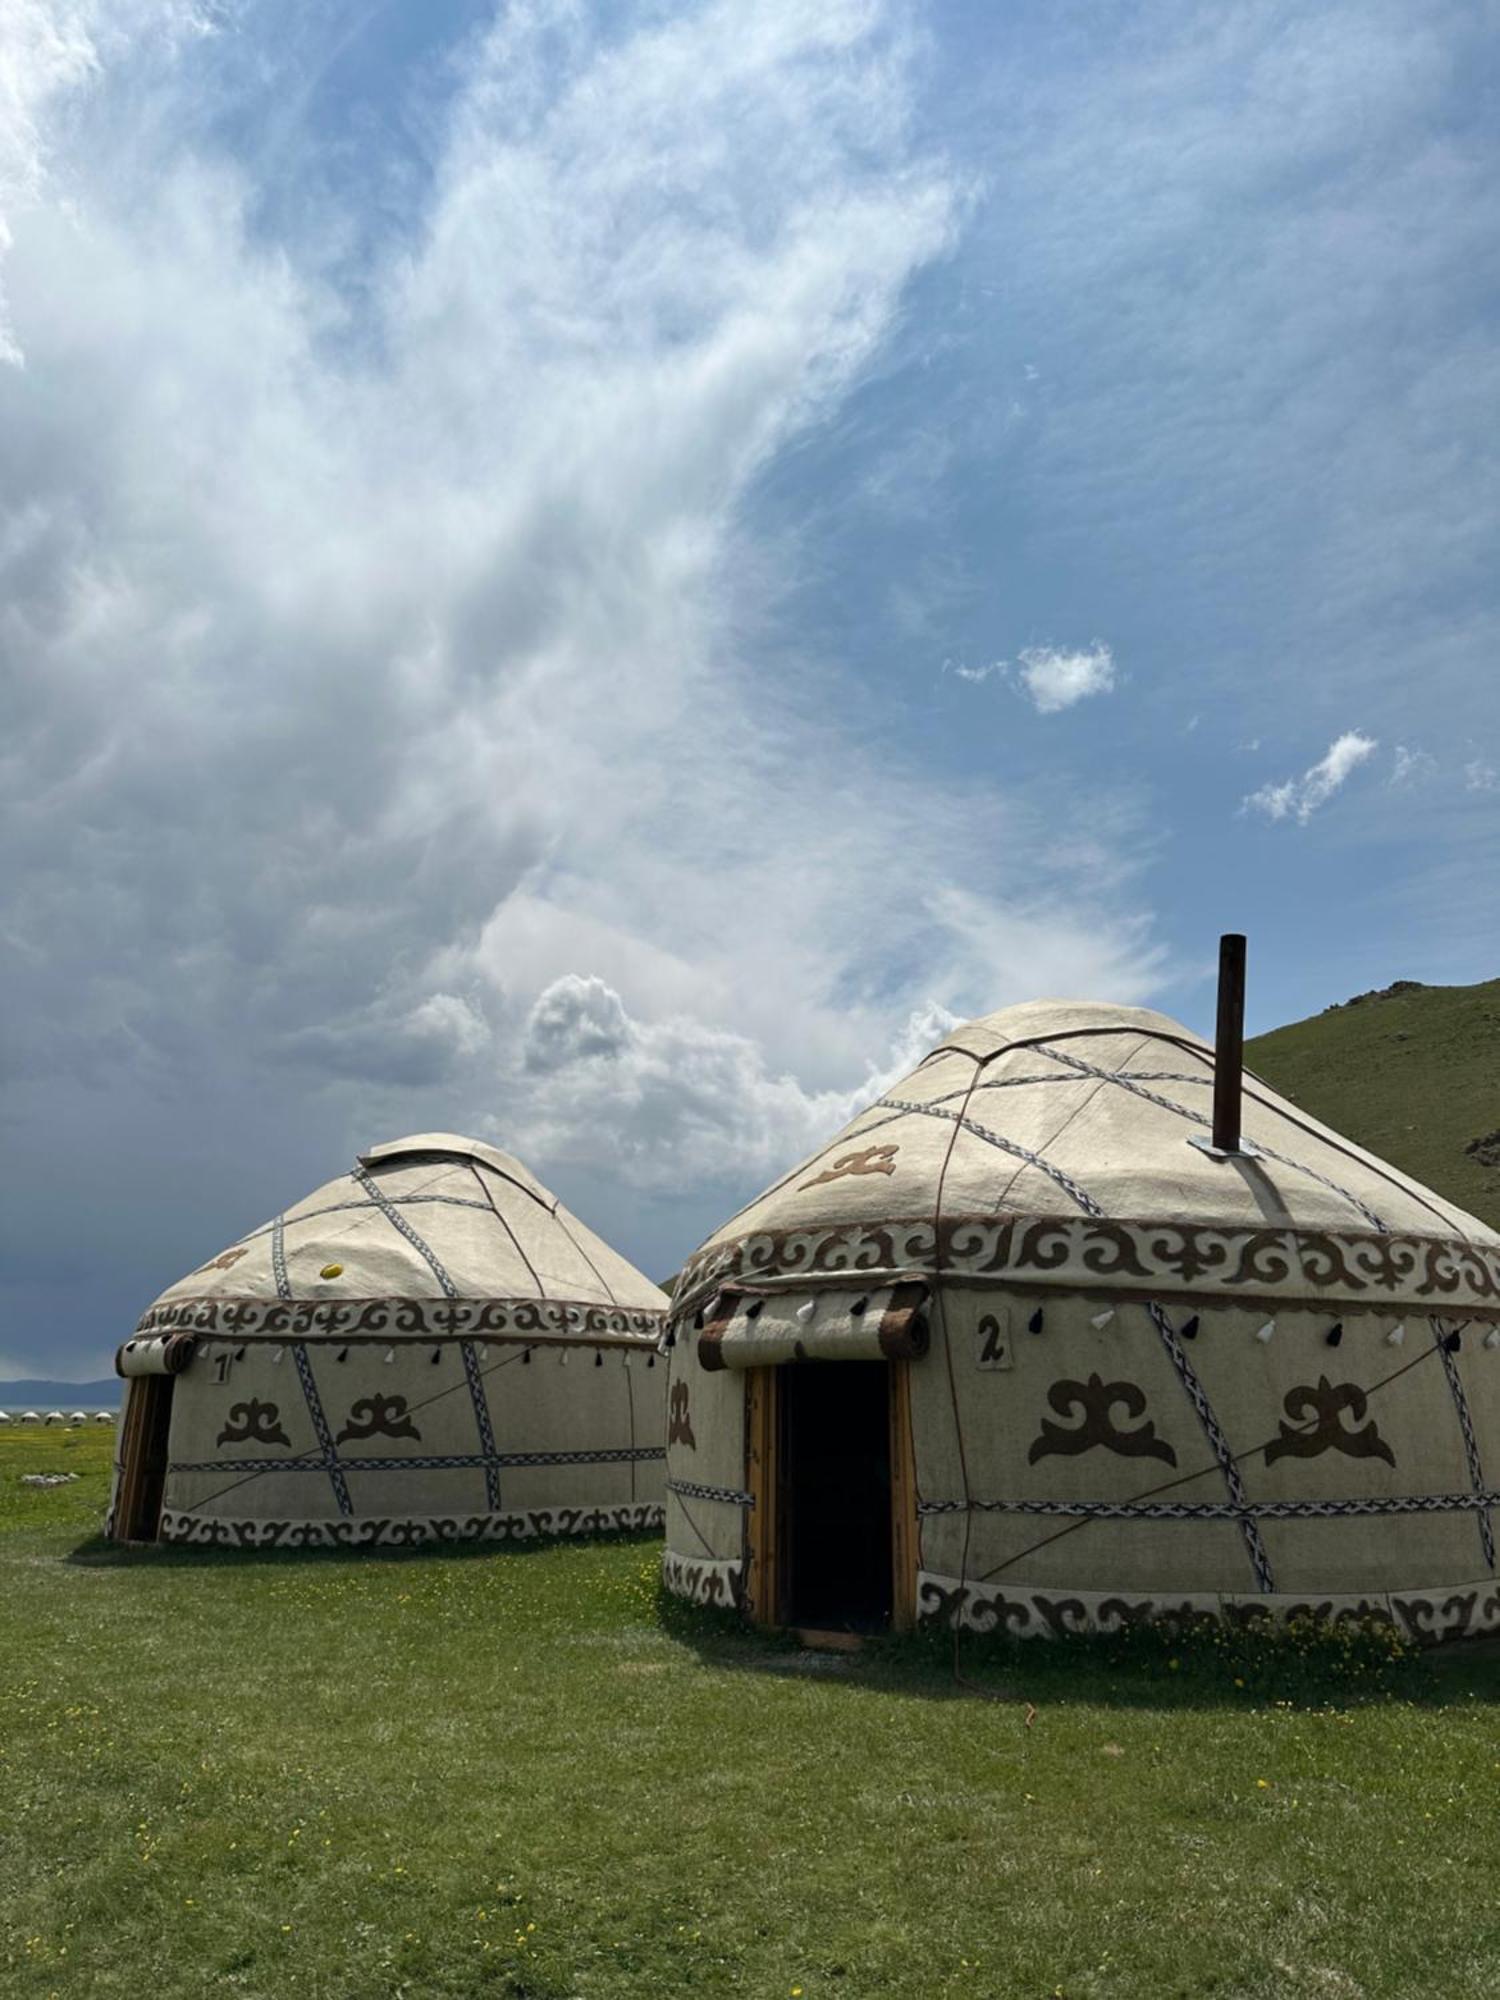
519 1773
1413 1074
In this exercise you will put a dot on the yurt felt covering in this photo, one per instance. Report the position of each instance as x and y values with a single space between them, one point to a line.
430 1347
1142 1380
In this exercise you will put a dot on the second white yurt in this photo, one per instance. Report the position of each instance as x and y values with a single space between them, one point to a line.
428 1348
1027 1348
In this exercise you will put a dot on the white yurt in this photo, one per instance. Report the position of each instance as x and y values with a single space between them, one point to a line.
428 1348
55 1417
1032 1346
4 1416
30 1417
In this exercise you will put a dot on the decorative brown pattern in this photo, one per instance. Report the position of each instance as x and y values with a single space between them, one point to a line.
870 1160
447 1319
253 1423
1327 1402
1096 1429
1429 1616
209 1531
226 1259
679 1423
1086 1252
704 1580
378 1416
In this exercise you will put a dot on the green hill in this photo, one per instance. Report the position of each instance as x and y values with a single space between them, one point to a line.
1411 1072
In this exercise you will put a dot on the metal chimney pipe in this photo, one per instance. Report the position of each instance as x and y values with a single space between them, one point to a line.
1229 1043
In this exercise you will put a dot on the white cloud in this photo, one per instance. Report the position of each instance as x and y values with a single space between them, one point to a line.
1055 678
1300 798
1480 777
380 630
674 1100
1411 767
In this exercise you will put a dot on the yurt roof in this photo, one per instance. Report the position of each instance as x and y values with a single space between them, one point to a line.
431 1234
1054 1143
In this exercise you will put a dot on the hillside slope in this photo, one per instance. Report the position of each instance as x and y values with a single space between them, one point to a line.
1413 1073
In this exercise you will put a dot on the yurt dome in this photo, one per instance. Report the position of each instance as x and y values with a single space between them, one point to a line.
1021 1349
428 1348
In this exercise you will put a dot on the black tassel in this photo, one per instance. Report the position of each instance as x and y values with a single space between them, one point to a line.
650 1360
525 1357
755 1308
1453 1343
1189 1328
1034 1324
239 1354
342 1355
436 1356
858 1309
1335 1333
598 1360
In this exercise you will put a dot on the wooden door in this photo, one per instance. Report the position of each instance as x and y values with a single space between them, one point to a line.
143 1458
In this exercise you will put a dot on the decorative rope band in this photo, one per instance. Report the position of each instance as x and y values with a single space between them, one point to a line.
402 1227
1132 1085
1068 1185
689 1489
1218 1444
1223 1510
457 1462
327 1449
1440 1336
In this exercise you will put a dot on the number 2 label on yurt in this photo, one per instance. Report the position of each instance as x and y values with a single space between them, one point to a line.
993 1342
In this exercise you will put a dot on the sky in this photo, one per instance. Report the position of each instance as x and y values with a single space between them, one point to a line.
593 575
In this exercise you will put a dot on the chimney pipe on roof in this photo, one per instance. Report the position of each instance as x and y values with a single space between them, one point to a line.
1229 1044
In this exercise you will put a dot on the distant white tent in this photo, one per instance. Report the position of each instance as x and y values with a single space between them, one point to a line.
30 1417
56 1417
430 1348
104 1416
4 1416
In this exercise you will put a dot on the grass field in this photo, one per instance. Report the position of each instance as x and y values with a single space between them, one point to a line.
509 1773
1415 1078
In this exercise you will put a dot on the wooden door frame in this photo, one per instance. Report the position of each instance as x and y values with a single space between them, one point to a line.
764 1524
903 1502
144 1419
765 1518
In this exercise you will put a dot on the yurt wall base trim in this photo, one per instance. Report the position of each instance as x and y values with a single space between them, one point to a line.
703 1579
1448 1612
203 1531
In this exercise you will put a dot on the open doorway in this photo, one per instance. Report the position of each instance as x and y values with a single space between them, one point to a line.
143 1458
835 1495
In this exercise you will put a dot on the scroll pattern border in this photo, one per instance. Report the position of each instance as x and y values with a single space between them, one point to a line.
439 1319
184 1528
1085 1252
1427 1616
